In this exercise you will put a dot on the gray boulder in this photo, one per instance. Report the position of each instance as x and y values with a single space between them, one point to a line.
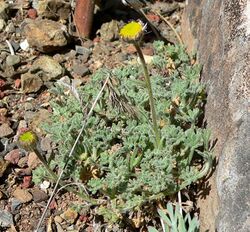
220 32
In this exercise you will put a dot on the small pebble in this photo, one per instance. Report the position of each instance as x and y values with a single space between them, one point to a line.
59 227
15 45
13 156
39 195
32 13
6 218
5 130
80 70
10 28
33 160
88 44
71 228
27 182
24 45
45 185
22 195
70 215
2 25
15 204
22 162
46 144
82 50
58 219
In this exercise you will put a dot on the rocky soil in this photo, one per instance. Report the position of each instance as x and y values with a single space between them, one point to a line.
38 48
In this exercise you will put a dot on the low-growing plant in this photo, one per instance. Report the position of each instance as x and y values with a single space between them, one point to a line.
174 221
121 163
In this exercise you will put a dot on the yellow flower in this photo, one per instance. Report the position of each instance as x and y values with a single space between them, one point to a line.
28 140
132 31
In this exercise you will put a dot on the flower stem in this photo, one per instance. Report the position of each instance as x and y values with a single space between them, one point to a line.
44 162
55 177
150 93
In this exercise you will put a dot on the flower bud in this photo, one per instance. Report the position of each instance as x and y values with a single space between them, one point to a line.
28 140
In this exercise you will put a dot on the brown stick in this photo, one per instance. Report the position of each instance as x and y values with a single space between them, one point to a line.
83 17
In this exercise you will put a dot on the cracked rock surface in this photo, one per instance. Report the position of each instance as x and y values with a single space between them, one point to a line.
220 31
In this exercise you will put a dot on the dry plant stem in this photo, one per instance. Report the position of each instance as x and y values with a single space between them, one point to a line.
170 25
71 153
150 93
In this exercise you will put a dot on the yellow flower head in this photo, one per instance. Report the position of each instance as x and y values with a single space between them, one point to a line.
132 31
28 140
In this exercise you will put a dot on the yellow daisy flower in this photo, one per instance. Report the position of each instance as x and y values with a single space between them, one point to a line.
132 31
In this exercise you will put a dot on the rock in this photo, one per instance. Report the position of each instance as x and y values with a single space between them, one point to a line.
5 130
120 57
13 156
130 49
22 195
42 116
1 195
46 144
148 59
109 31
23 162
46 35
3 166
153 18
149 51
28 106
7 146
50 224
89 44
15 205
165 8
32 13
70 55
10 28
4 10
47 68
59 227
33 160
13 60
27 182
15 46
17 83
29 115
70 215
45 185
220 32
71 228
24 45
2 25
30 83
39 195
80 70
82 50
20 172
6 219
53 9
58 219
